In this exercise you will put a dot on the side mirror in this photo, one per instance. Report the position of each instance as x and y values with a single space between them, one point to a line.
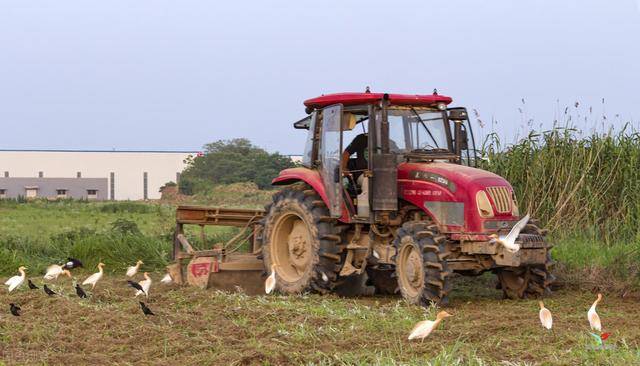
336 175
458 114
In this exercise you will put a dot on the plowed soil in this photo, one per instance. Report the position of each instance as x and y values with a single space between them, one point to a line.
194 326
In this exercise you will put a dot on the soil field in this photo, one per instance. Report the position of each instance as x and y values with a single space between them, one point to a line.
201 327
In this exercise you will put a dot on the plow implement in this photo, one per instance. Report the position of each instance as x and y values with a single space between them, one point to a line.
226 266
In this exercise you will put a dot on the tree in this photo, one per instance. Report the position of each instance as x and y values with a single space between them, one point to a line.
232 161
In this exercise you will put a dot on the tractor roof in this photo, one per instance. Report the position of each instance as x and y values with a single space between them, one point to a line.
365 98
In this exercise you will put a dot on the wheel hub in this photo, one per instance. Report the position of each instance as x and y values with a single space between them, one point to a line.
410 268
298 244
291 241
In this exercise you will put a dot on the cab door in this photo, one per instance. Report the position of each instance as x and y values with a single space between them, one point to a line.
330 155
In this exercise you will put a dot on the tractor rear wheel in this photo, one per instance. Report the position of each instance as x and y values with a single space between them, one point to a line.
528 281
421 269
302 241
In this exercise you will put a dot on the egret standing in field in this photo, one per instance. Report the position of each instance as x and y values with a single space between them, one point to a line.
131 271
545 317
594 318
54 270
145 284
166 279
16 281
509 241
270 283
94 278
425 327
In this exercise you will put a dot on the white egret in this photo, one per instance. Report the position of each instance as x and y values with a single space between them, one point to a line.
131 271
54 270
545 316
145 284
594 318
270 283
166 279
94 278
509 240
425 327
16 281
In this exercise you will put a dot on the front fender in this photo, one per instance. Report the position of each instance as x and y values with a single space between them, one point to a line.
312 178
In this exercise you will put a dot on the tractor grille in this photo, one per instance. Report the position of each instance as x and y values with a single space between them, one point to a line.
501 197
530 241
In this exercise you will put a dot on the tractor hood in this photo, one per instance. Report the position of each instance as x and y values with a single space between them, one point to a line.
450 176
448 193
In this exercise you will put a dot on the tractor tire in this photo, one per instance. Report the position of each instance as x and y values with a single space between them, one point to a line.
302 241
421 268
530 281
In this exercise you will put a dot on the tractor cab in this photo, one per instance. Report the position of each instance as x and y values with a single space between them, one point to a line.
357 140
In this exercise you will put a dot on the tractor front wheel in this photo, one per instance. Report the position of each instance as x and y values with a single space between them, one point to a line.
421 269
528 281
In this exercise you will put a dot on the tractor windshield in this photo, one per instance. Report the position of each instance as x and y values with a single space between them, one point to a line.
416 130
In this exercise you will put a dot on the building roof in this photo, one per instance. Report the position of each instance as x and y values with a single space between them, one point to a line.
364 98
102 151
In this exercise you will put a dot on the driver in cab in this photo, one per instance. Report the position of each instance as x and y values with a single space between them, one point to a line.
356 166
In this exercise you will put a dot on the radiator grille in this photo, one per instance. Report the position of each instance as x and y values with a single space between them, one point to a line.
501 197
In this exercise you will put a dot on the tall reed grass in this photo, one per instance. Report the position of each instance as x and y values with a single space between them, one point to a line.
588 184
585 190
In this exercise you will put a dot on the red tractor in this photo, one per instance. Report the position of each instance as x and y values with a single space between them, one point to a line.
388 197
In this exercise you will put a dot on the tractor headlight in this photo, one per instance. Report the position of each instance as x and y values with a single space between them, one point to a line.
442 106
514 205
483 204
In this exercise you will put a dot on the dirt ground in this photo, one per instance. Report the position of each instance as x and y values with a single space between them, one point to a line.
193 326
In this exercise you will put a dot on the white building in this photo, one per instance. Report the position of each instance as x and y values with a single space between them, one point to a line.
131 175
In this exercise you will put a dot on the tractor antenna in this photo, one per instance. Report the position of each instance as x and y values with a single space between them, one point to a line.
435 91
367 90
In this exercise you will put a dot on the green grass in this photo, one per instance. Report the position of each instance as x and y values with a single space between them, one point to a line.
40 219
41 233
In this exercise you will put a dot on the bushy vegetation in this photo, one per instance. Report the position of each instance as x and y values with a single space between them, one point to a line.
39 233
240 195
232 161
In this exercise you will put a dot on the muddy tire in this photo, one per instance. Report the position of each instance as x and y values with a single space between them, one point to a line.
528 281
421 269
302 241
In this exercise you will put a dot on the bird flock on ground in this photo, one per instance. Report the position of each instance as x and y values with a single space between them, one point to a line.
56 270
420 331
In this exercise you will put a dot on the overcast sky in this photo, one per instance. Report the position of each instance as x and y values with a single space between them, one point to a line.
174 75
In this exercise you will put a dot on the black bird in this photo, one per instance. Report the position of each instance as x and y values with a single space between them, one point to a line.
32 286
48 290
72 263
15 309
135 285
145 309
80 292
